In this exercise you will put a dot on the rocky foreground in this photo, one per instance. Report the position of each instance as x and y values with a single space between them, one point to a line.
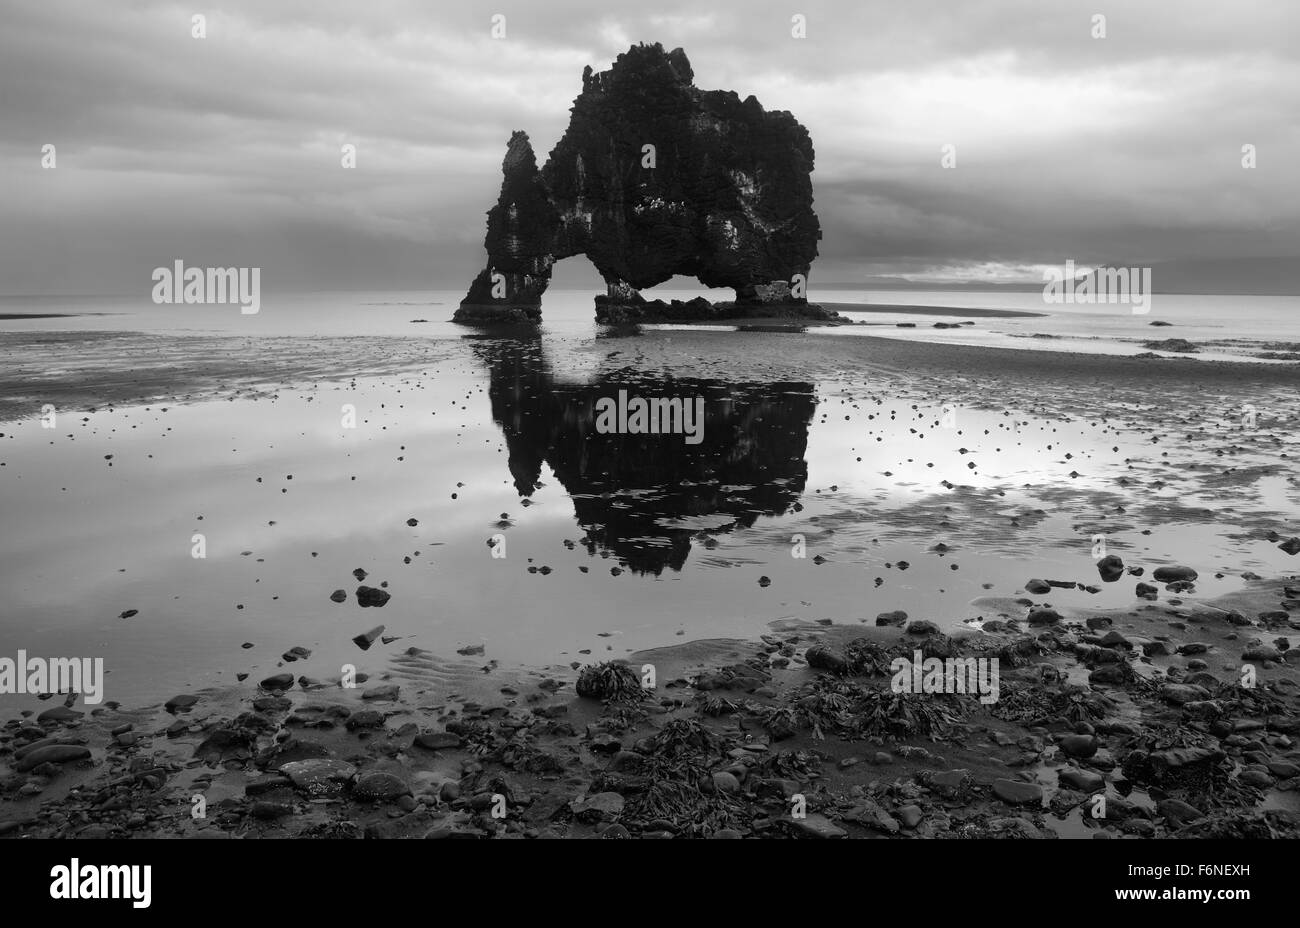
1182 715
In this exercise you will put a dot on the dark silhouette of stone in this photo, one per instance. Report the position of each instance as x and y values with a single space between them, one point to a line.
655 178
749 463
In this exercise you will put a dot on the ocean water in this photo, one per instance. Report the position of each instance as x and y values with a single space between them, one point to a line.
1226 327
1229 327
613 543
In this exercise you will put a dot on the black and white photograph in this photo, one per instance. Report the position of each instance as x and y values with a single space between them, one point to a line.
842 421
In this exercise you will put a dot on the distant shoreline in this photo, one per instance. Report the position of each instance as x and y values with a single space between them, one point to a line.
53 315
928 310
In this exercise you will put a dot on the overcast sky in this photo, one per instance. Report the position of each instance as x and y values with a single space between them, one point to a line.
226 150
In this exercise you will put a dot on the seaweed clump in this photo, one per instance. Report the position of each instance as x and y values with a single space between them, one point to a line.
610 680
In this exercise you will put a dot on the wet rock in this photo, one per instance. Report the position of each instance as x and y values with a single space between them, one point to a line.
821 657
1179 812
1174 574
897 617
1291 546
339 596
279 681
725 782
1038 587
438 741
1078 745
52 754
365 718
58 714
1257 778
371 596
1110 568
1170 760
380 787
605 743
1110 675
296 653
180 703
1115 640
366 639
949 782
1043 616
319 776
598 807
1147 591
1085 781
922 627
1018 792
778 788
870 814
1180 693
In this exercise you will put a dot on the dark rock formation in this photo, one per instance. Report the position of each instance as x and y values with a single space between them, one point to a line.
655 178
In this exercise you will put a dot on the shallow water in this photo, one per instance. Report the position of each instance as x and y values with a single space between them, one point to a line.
1227 327
647 539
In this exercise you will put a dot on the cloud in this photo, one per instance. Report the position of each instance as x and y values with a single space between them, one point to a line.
226 149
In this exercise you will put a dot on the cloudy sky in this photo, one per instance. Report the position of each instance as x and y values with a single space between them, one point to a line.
226 150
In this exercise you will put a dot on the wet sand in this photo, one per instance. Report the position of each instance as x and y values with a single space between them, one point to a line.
1140 702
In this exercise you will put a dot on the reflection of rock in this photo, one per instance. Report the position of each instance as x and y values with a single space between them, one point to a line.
654 178
644 497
